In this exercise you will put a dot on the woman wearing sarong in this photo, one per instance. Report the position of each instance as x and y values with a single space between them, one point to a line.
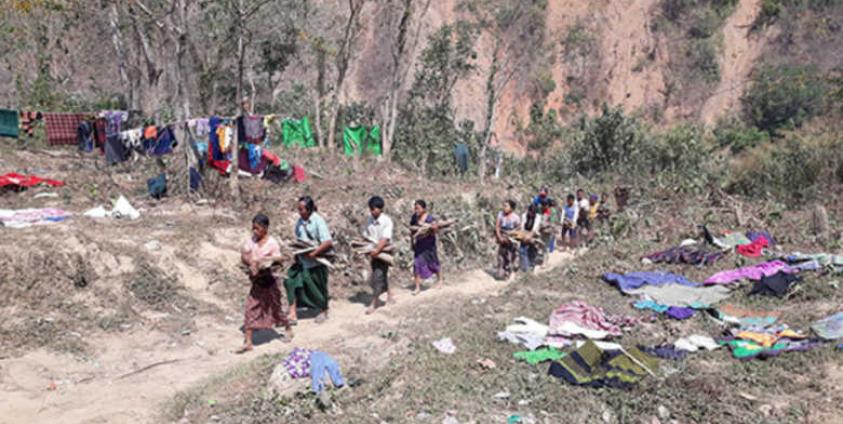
425 259
263 305
507 221
307 279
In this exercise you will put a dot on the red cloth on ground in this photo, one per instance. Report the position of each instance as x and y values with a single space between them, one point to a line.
753 250
298 173
61 127
271 157
18 180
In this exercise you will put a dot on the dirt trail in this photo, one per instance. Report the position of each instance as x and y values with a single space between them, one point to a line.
105 389
740 52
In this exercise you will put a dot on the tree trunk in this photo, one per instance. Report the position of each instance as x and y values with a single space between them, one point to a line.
320 94
343 57
120 51
241 47
491 101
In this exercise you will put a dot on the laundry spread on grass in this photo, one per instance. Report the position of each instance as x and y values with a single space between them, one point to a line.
22 218
591 366
635 280
734 315
319 366
825 261
689 255
778 284
829 328
17 182
752 272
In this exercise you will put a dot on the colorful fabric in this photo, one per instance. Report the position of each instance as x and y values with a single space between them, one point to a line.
27 122
359 139
61 127
425 257
9 123
777 284
695 342
321 364
830 328
697 297
679 312
651 305
201 127
755 235
297 133
113 121
753 272
21 218
538 356
298 362
685 255
732 240
578 318
746 317
768 337
526 332
753 250
308 287
592 367
16 181
253 129
635 280
830 262
746 349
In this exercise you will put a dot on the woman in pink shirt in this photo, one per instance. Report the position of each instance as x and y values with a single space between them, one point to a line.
263 306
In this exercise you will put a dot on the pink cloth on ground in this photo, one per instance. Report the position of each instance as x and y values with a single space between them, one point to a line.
754 272
585 316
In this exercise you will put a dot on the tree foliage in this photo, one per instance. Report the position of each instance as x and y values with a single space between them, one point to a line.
784 97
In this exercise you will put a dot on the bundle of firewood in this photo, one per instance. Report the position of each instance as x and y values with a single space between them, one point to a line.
421 231
302 247
521 235
365 247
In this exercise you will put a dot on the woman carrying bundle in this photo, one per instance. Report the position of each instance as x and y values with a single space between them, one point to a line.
425 259
263 306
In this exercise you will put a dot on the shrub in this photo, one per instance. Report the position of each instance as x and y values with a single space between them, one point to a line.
788 171
608 142
783 97
737 136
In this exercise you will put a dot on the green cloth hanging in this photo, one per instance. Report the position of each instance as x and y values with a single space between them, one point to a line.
297 133
370 140
9 123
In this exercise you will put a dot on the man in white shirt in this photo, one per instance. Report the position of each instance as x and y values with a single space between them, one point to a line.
378 230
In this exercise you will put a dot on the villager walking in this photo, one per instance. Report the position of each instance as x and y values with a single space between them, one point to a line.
425 257
307 279
263 309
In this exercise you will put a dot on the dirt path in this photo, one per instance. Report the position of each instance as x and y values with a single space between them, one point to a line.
106 389
740 51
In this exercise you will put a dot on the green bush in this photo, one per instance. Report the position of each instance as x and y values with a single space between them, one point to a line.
737 136
784 97
608 142
787 171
